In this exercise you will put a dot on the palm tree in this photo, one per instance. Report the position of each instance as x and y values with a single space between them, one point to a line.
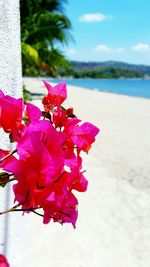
43 26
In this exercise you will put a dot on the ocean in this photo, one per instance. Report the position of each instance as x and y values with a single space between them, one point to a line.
130 87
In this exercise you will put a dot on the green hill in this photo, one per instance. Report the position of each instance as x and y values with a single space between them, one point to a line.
108 69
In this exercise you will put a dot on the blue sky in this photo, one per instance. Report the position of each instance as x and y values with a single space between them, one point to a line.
110 30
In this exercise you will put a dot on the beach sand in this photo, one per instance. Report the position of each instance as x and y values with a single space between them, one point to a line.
113 228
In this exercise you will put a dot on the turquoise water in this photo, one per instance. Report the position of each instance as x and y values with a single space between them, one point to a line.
131 87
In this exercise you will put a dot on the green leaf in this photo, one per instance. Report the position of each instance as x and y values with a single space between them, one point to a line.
29 53
11 138
26 120
4 178
46 115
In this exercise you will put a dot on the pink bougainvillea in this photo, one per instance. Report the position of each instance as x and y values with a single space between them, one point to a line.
3 261
56 96
46 166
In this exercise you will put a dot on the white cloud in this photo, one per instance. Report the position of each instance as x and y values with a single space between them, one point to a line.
107 49
102 48
71 52
93 17
141 47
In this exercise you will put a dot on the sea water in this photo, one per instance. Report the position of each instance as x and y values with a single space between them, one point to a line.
130 87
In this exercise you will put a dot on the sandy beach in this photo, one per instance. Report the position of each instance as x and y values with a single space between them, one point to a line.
113 229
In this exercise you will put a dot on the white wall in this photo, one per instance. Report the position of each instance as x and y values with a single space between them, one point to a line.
12 226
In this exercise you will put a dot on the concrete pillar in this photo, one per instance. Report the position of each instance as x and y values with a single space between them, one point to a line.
12 226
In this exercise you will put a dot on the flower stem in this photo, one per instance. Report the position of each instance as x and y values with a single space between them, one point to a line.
8 155
12 209
37 213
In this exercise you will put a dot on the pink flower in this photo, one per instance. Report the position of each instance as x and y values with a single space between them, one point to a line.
56 96
32 112
40 184
80 136
62 209
41 175
3 261
37 132
34 175
60 116
10 113
76 179
48 164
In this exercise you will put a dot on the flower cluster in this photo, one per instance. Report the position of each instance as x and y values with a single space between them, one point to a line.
46 165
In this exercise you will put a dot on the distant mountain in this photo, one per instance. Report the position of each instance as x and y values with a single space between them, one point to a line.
107 69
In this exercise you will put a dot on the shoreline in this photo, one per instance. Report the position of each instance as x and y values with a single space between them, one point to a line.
30 87
117 91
